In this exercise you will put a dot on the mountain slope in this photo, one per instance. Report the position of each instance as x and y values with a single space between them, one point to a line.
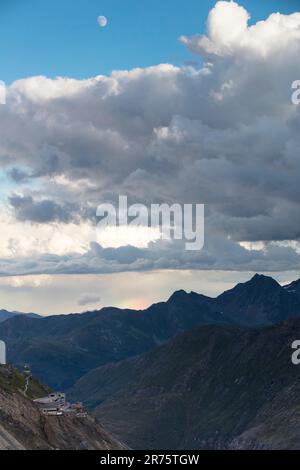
8 442
5 315
24 427
260 301
63 348
293 288
213 387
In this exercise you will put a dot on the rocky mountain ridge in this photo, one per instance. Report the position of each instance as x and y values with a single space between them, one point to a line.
63 348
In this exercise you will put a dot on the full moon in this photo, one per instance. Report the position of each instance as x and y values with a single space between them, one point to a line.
102 20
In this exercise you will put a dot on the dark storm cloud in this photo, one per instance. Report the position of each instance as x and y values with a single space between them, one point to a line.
26 208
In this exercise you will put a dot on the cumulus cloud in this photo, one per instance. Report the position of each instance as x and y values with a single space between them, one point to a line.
229 33
225 134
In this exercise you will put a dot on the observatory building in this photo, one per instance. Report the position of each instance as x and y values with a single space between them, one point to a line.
2 353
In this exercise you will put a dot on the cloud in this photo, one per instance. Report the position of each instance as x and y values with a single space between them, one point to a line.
220 254
225 134
227 26
26 208
228 33
88 299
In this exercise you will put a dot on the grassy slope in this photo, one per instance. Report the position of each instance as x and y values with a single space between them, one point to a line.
13 381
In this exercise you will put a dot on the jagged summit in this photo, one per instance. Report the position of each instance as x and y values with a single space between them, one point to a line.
258 284
261 300
179 294
258 281
262 280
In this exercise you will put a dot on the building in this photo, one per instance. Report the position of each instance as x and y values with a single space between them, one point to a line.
2 353
52 404
55 404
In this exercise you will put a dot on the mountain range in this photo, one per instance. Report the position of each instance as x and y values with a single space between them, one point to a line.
61 349
193 372
5 315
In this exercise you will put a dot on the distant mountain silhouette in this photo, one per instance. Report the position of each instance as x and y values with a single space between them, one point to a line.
260 301
5 315
63 348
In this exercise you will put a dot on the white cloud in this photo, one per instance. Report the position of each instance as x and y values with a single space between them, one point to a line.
18 282
229 34
24 239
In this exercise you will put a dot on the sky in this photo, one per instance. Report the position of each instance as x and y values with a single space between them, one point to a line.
63 38
177 101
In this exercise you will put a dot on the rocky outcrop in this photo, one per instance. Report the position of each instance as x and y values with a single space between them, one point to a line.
23 426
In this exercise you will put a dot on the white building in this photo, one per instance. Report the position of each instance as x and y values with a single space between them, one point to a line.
2 353
52 404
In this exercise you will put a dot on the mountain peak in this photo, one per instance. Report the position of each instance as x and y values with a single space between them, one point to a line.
258 283
260 279
261 300
179 294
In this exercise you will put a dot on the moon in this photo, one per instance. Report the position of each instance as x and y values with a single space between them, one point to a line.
102 20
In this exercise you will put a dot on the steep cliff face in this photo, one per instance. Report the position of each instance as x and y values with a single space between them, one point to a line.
22 426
